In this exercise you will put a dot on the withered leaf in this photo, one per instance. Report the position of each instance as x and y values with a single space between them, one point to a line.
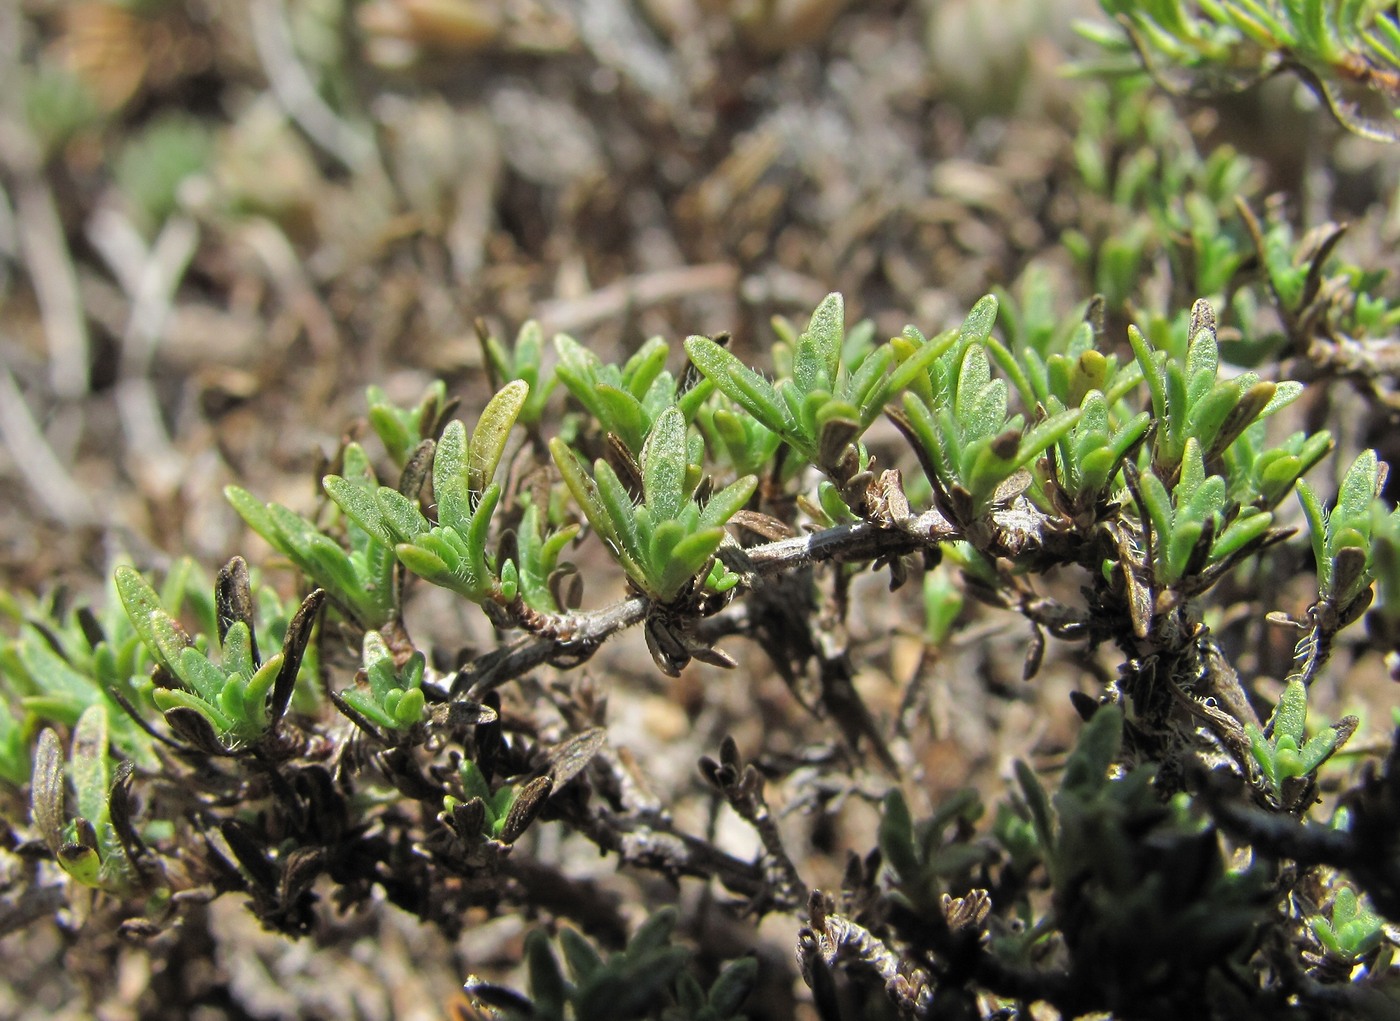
119 812
194 728
1085 705
138 930
568 759
251 854
765 526
468 819
499 997
416 469
46 797
625 464
566 586
86 833
462 712
91 627
668 650
526 808
233 602
299 871
713 656
293 649
1035 653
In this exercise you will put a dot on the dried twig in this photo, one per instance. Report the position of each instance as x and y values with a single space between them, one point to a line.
45 472
149 277
297 93
50 269
635 292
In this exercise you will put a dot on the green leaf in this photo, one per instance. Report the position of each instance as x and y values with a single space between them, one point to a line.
165 639
818 356
547 987
583 489
401 517
423 563
1086 770
1291 715
644 368
583 961
1151 364
1358 488
170 698
733 986
664 464
622 414
1038 803
1317 531
654 933
88 764
450 486
474 784
977 327
727 502
739 383
477 533
488 440
896 837
623 525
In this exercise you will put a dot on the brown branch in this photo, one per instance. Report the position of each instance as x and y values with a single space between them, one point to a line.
571 638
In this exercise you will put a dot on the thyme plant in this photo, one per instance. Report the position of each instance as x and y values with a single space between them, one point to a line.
1128 484
1148 473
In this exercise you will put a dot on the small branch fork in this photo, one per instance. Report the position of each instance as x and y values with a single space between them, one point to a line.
568 639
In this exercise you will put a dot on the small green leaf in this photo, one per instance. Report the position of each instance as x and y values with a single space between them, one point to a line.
1086 770
977 327
158 630
547 987
488 440
727 502
582 960
733 986
89 765
655 932
583 489
451 489
400 515
739 383
664 464
827 332
896 837
358 503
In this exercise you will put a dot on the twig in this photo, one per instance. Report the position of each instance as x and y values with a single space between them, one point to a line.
832 939
46 474
150 277
296 91
650 846
574 637
55 282
635 292
742 786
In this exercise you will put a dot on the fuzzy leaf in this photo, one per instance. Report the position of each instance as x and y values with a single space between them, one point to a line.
488 440
739 383
664 464
583 489
358 503
158 630
46 790
450 486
